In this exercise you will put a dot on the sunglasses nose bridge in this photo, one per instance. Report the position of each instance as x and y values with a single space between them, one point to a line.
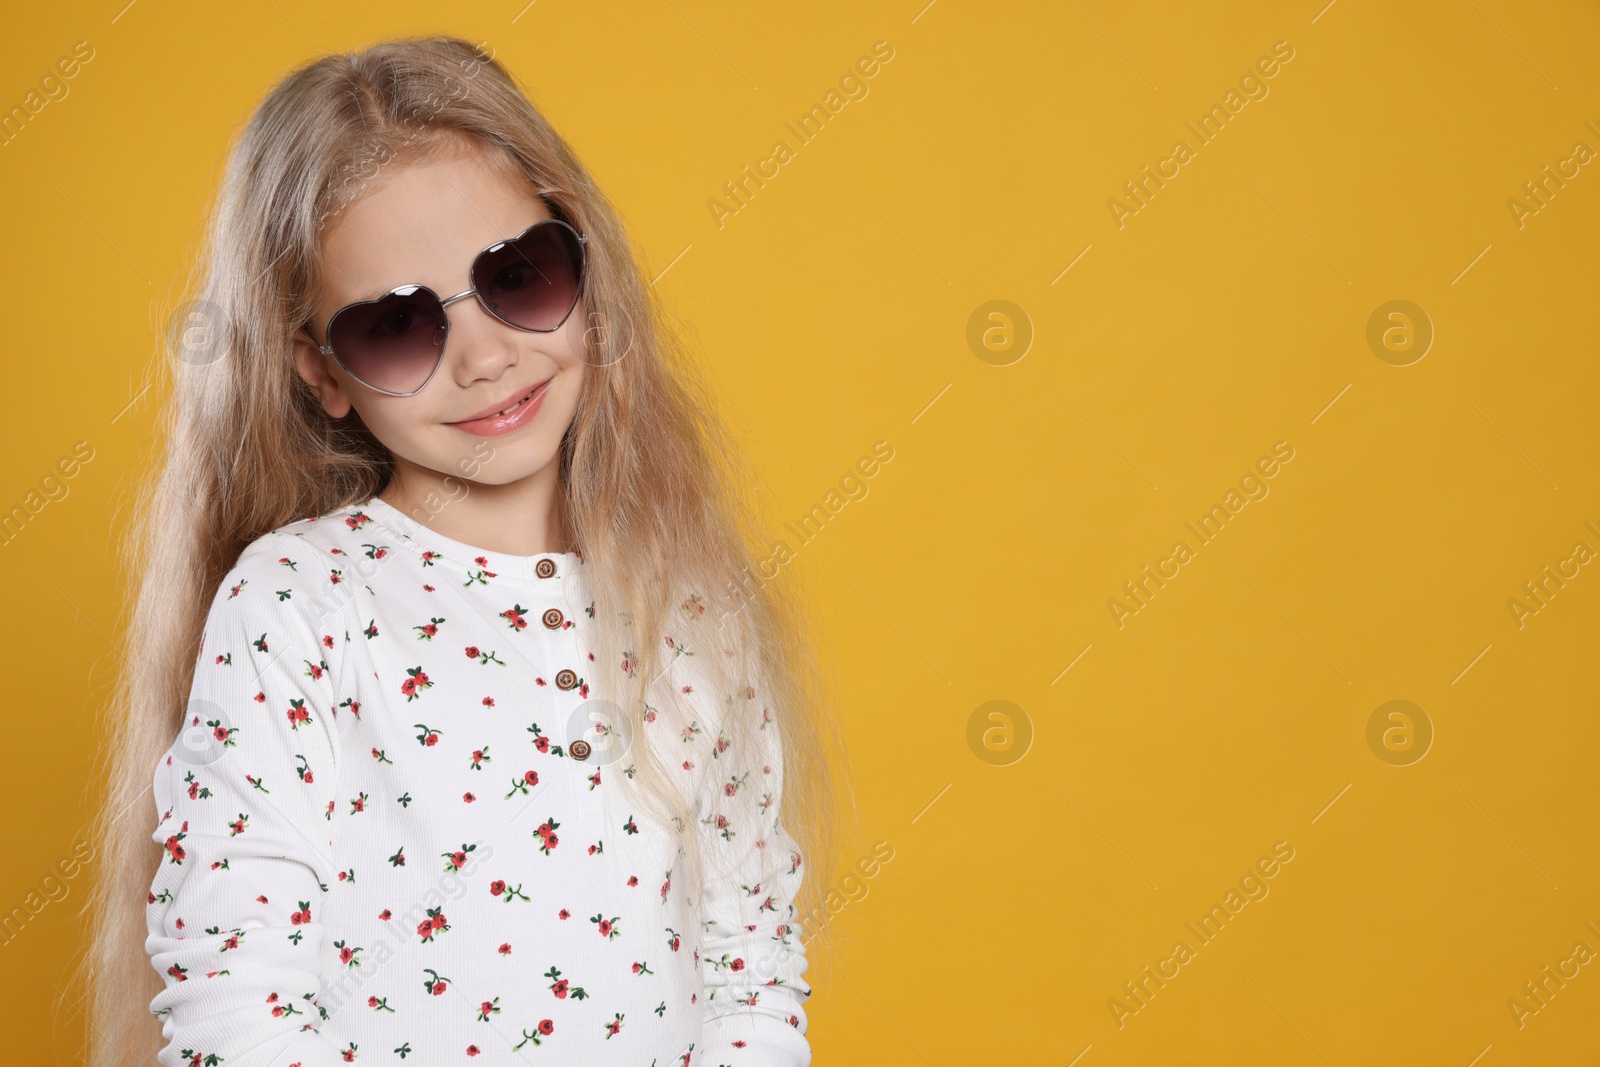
482 302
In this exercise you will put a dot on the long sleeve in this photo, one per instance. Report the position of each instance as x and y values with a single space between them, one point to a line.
244 797
752 958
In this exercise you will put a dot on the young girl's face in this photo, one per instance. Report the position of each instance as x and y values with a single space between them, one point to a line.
424 224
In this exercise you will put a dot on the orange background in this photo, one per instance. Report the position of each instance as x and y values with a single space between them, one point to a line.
1042 860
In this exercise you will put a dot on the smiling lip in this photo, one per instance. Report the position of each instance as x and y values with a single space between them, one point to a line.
492 424
501 405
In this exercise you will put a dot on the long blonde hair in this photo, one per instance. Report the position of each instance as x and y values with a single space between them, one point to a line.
660 500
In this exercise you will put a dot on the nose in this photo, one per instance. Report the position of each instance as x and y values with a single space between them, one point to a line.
478 345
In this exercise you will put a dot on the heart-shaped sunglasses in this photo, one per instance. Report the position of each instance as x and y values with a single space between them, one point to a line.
395 343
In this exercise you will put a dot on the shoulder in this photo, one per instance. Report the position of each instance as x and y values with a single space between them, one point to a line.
317 551
301 573
338 535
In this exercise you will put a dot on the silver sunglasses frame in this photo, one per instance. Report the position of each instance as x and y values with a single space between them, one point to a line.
326 348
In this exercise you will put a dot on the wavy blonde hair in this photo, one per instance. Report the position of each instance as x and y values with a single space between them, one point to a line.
659 499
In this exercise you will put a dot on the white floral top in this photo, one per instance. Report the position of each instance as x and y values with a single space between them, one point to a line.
387 839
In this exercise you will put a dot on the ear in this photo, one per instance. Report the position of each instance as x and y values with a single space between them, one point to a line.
319 373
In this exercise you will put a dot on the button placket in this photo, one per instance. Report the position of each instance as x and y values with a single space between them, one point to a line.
588 804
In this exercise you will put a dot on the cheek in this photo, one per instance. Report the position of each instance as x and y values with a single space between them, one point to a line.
570 344
595 339
395 421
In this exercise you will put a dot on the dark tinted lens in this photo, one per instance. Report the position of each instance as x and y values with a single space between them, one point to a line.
391 343
532 280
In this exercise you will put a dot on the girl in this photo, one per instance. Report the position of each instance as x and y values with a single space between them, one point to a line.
474 737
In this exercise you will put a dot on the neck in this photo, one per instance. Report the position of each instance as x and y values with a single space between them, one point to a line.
522 518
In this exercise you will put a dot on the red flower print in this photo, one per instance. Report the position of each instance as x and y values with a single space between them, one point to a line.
546 831
416 681
297 714
175 852
558 986
514 616
432 925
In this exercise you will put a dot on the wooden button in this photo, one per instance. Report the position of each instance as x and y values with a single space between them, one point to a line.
579 749
566 679
553 618
545 568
